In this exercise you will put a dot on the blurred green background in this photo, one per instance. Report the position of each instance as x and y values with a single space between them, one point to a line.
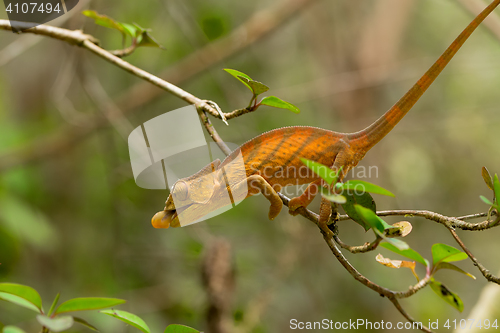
76 223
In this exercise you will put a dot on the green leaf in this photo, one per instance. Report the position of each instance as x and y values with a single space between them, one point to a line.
58 324
279 103
496 187
53 306
256 86
408 253
364 200
398 243
27 293
236 74
144 37
328 175
1 326
486 201
12 329
85 323
487 178
446 294
357 185
443 252
18 301
105 21
175 328
36 229
88 303
370 218
447 265
129 29
332 197
128 318
148 40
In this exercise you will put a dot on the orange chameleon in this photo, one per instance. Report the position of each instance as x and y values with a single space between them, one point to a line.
267 155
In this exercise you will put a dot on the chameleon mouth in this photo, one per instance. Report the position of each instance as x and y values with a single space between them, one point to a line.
167 218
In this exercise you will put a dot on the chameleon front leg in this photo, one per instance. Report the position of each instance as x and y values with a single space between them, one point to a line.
256 184
305 198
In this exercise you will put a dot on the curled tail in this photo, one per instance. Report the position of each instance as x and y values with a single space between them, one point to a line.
371 135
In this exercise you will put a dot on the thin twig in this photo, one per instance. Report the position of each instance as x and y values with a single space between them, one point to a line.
367 247
447 221
486 273
407 316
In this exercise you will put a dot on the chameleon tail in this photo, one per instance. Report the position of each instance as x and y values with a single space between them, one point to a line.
369 136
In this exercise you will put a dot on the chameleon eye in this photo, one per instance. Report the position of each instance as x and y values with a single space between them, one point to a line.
180 191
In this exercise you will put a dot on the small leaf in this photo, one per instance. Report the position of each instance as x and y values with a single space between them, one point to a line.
58 324
401 229
104 20
88 303
27 293
409 253
18 301
175 328
53 306
236 73
496 187
1 326
487 178
364 200
443 252
129 29
486 201
256 86
328 175
398 243
148 40
12 329
397 264
361 186
371 218
447 265
144 37
446 294
279 103
85 323
332 197
128 318
394 263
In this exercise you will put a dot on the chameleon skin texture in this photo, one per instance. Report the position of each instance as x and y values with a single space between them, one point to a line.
272 160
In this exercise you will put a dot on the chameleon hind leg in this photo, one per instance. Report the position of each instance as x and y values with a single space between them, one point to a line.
325 209
258 184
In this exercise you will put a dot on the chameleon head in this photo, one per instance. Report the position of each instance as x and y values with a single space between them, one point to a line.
189 199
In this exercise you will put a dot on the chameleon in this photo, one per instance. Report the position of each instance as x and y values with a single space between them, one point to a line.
265 160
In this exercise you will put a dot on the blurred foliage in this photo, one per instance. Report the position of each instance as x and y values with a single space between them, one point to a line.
78 225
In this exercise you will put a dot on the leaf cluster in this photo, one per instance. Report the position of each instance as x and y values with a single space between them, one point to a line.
361 208
57 319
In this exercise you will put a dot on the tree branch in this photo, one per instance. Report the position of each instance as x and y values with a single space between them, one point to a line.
486 273
448 221
259 25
